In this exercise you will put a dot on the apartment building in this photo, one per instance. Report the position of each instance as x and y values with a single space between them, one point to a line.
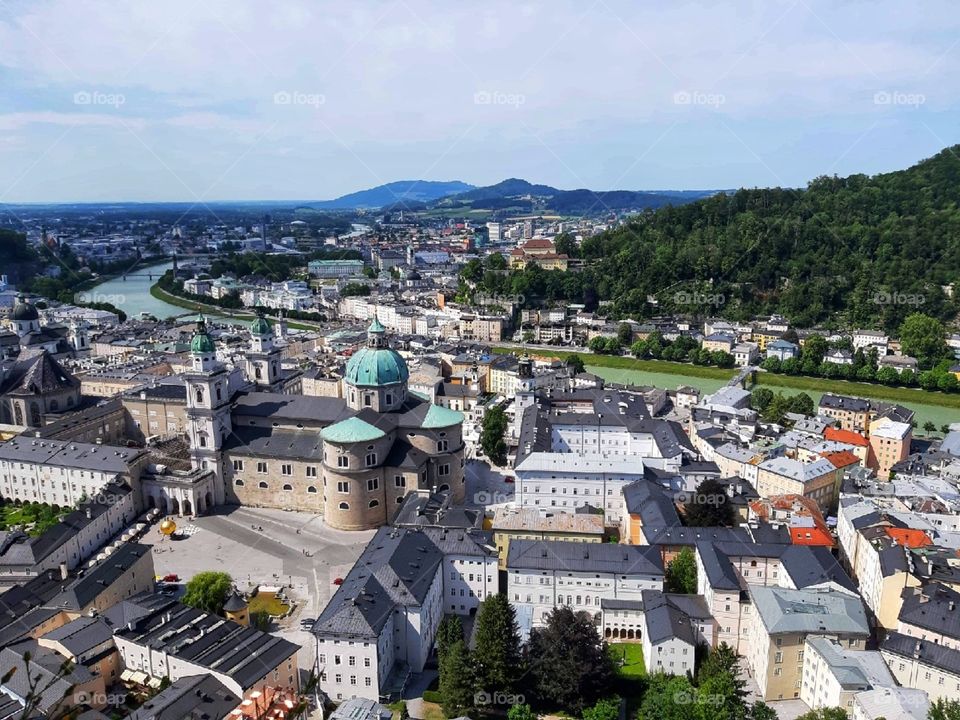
784 619
544 574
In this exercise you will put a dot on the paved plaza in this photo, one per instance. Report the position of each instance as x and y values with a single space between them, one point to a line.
259 546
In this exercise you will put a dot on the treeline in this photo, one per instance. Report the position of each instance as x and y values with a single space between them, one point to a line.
857 251
275 268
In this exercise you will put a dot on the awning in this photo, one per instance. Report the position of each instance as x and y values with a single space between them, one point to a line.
140 678
126 675
154 683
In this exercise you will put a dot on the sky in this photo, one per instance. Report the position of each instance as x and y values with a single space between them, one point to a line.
213 100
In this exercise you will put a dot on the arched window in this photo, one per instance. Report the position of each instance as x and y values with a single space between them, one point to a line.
34 413
263 485
374 503
311 489
288 487
54 406
238 481
199 394
344 506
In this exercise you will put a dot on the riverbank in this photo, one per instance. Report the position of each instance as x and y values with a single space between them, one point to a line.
798 383
213 310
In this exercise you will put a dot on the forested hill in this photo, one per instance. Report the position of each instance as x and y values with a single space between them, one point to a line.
859 250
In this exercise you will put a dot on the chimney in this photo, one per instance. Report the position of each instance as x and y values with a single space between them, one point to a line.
63 571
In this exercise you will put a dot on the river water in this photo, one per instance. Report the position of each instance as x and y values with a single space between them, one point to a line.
132 295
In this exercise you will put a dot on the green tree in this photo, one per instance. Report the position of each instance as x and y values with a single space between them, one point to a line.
681 575
709 506
492 430
761 711
521 712
668 697
760 398
929 427
923 337
208 591
571 666
456 680
575 364
625 333
830 713
605 709
944 709
449 632
598 344
496 648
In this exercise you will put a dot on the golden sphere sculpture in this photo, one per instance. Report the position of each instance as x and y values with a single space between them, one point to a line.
168 527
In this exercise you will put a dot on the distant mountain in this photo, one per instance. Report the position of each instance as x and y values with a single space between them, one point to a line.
521 195
400 192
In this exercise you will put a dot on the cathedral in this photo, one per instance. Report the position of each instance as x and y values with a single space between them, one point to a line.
33 384
351 459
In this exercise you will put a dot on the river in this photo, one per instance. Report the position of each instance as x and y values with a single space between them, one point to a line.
132 295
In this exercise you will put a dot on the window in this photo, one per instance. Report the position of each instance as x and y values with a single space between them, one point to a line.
263 485
238 464
367 400
311 489
343 461
288 487
286 469
344 506
399 481
371 459
238 482
343 486
374 503
311 471
443 470
373 484
262 468
441 445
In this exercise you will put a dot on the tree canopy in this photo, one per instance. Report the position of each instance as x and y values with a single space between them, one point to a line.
208 591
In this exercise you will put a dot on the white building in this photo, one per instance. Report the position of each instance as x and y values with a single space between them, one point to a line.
381 623
544 574
60 472
833 674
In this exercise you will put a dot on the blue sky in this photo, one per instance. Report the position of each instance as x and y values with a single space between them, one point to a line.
244 99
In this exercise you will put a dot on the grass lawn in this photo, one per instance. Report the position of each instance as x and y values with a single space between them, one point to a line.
267 603
35 518
906 396
432 711
631 655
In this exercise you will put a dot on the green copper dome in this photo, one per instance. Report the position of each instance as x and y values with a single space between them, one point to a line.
202 343
376 366
260 326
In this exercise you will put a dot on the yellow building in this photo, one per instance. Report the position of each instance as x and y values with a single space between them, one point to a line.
533 524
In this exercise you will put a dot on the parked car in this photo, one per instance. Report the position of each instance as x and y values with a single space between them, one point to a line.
307 622
338 581
172 578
